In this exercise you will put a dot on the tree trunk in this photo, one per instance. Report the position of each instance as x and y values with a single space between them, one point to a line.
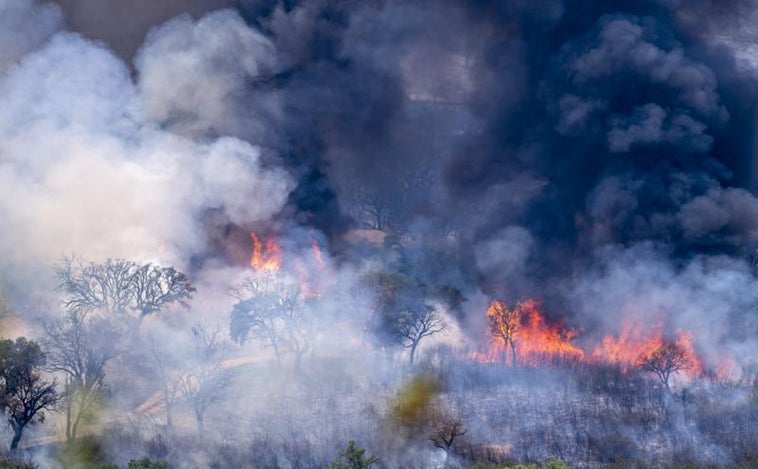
79 412
199 420
277 353
413 352
167 401
513 354
18 430
69 410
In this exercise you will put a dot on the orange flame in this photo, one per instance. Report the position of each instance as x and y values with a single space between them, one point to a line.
526 332
268 258
634 341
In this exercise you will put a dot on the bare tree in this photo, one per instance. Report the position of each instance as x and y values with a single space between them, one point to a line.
504 323
89 286
166 367
25 393
414 324
204 381
271 309
121 287
371 208
446 431
664 361
79 348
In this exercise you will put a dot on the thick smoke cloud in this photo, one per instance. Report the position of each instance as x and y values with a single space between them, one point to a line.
560 132
191 84
490 134
457 125
708 296
87 170
598 156
24 25
123 25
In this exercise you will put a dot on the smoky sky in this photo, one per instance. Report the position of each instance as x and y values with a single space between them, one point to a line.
123 25
516 148
587 123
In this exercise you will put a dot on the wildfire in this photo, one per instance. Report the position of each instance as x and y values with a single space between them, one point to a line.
635 341
523 333
268 257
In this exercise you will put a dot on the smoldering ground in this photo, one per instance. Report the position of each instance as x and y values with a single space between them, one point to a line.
596 155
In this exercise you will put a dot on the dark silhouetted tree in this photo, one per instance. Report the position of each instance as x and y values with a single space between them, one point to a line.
504 323
446 431
25 393
415 323
664 361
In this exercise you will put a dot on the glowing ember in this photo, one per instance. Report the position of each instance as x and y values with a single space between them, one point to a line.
523 334
266 257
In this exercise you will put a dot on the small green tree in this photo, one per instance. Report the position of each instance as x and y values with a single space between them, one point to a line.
353 457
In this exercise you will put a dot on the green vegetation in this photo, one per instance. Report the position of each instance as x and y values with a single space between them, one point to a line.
352 457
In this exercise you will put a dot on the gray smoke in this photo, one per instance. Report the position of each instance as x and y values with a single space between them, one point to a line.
599 158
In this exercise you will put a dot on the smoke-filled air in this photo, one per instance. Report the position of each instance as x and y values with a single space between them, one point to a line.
379 234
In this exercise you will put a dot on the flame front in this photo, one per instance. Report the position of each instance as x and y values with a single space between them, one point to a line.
635 341
268 257
523 333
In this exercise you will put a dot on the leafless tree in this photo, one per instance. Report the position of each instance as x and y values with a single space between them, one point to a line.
121 287
270 308
372 208
386 208
664 361
89 286
446 431
414 324
504 323
79 348
167 368
204 381
25 392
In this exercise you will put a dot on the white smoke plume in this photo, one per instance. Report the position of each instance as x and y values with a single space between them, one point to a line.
85 166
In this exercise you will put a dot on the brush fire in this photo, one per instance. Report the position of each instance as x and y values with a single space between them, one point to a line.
521 335
378 234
